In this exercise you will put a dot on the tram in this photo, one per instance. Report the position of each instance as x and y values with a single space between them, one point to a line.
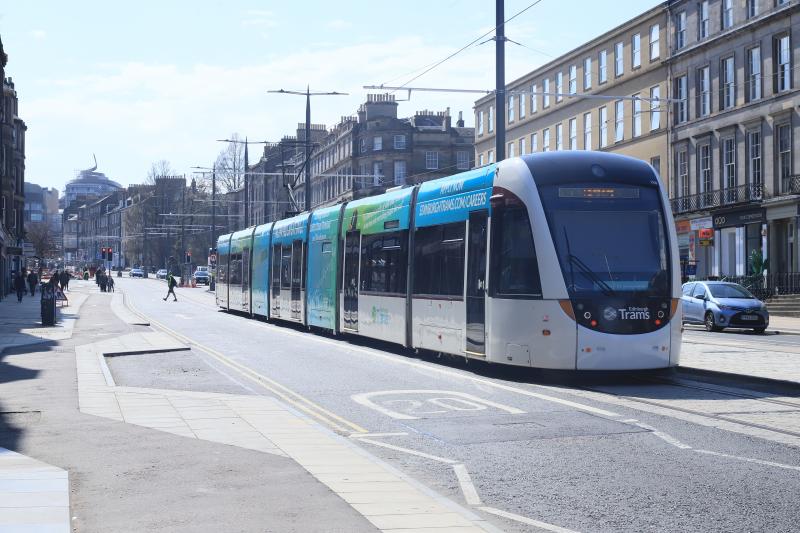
558 260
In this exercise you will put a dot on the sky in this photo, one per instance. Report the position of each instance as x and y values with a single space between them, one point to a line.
138 82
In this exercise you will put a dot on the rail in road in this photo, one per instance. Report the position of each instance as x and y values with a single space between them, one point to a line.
454 427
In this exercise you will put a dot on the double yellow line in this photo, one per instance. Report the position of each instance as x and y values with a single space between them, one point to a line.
298 401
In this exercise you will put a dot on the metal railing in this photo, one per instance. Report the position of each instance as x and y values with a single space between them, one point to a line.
751 192
768 286
790 185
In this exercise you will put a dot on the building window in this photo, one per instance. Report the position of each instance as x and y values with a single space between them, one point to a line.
637 115
655 42
587 73
704 159
510 149
363 146
683 173
491 119
783 71
784 152
602 66
480 126
681 107
619 59
603 127
522 146
559 86
703 92
655 162
400 140
400 172
729 162
752 8
587 131
619 123
559 137
573 79
462 160
491 156
432 160
534 98
754 157
377 172
636 50
546 140
546 92
727 14
680 30
377 144
534 143
728 75
522 105
481 160
655 111
703 27
573 134
754 74
511 108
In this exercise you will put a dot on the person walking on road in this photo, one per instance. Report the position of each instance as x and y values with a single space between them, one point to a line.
86 275
171 283
19 285
110 284
33 280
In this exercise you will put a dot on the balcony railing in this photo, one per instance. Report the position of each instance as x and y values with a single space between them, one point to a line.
790 185
751 192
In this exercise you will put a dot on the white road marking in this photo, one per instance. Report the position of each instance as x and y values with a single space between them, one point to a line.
470 494
663 436
365 399
374 435
408 451
749 460
526 520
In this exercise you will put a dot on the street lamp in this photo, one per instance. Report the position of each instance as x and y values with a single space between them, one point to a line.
308 94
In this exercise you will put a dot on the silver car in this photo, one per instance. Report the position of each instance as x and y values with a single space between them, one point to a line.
719 305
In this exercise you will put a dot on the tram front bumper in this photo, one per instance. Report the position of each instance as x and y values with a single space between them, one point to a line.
604 351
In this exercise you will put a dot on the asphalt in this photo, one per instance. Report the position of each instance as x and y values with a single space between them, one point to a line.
546 447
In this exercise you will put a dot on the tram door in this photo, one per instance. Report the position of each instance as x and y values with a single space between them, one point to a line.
476 283
246 280
297 278
352 246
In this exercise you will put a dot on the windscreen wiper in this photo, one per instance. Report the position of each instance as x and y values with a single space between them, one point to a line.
583 267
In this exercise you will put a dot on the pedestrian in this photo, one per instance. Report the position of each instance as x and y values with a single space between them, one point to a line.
171 283
65 280
86 274
110 284
19 285
33 280
101 280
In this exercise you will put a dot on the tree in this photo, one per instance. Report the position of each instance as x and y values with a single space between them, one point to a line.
43 238
159 168
230 165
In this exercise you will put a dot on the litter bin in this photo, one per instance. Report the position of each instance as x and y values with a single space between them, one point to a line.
48 304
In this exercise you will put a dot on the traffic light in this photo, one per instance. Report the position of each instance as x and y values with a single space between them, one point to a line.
188 257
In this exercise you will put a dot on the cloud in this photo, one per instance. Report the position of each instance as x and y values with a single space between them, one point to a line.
260 18
339 24
38 34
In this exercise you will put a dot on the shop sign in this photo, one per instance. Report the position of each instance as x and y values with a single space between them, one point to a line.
705 233
683 226
738 218
701 223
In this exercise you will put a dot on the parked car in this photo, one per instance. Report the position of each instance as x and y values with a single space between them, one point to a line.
719 305
137 273
201 277
161 274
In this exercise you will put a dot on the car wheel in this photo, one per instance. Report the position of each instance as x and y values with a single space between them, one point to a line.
710 324
760 330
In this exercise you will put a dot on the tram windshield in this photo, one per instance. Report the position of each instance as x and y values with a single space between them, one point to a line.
609 240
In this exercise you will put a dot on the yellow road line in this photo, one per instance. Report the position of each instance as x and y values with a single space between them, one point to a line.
291 397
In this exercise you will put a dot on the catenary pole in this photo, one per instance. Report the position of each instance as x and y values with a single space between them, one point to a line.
500 81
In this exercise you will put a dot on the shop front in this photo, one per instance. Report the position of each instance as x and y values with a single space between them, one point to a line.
737 234
783 224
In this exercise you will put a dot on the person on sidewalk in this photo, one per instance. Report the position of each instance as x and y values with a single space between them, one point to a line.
85 274
19 285
65 281
171 283
33 280
110 284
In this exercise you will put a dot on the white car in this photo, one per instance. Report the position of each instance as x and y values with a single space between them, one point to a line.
137 273
161 274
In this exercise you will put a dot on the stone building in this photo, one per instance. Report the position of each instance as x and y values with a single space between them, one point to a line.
269 181
735 131
366 154
604 95
12 179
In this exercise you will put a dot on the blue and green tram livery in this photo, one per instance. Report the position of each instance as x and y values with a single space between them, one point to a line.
557 260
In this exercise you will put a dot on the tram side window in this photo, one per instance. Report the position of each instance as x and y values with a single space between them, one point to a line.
297 261
236 269
222 269
384 260
515 271
245 269
276 267
286 268
439 261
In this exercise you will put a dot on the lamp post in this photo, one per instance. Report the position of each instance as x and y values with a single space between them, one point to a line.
308 94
